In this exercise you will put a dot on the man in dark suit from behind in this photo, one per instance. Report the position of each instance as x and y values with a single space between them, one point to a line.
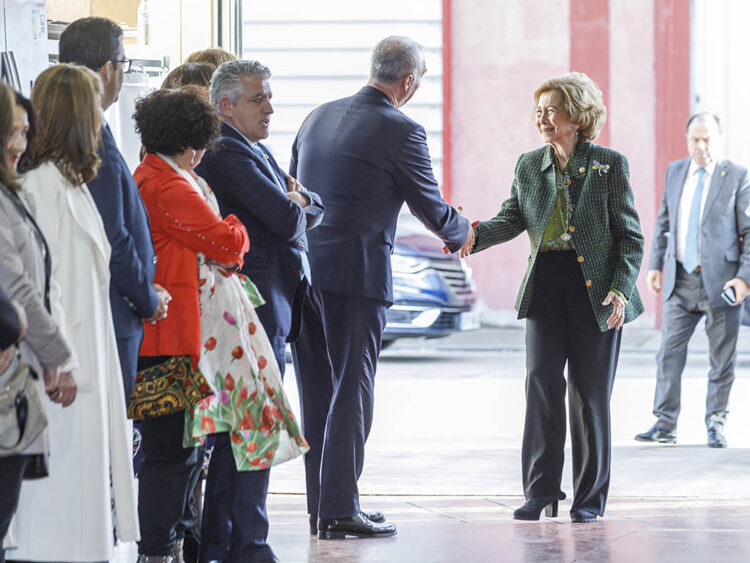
97 44
276 211
365 158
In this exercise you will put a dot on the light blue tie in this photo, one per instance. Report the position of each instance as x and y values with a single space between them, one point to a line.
694 224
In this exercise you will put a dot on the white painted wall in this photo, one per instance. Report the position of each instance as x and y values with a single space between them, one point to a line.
719 76
320 51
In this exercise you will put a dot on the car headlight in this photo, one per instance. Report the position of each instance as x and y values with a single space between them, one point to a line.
408 264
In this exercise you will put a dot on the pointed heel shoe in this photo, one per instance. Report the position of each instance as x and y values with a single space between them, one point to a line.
532 508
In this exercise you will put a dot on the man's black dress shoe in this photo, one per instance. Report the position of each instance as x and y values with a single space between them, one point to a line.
359 526
656 434
532 508
582 516
374 516
716 438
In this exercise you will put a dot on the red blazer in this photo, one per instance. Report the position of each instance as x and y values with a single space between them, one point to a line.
182 224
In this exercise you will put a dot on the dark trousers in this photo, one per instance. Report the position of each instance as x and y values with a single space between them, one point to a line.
336 358
166 480
687 305
235 523
561 329
127 349
12 469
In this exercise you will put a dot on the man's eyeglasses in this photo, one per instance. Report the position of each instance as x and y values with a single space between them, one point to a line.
126 64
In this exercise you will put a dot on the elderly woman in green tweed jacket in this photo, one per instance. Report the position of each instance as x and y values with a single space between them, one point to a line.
574 200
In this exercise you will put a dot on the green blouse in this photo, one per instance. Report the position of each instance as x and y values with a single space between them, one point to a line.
557 234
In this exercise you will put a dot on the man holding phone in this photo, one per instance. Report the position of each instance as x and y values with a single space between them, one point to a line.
700 262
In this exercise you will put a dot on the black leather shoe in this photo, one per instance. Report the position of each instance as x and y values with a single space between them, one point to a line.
582 516
374 516
656 434
532 508
359 526
716 438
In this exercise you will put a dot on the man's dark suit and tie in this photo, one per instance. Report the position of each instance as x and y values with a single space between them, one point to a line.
365 159
701 244
276 211
97 44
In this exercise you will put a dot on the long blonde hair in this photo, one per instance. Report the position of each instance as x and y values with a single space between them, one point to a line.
67 102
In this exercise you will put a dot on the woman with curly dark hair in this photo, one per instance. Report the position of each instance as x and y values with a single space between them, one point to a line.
184 386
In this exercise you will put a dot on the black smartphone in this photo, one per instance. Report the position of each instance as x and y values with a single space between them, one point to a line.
728 296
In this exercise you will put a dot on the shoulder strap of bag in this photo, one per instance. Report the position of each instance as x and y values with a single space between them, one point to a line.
16 199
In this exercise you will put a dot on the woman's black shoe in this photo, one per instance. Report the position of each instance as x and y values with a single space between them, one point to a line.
532 508
582 516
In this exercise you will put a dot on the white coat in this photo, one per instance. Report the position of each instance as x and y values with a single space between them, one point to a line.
68 516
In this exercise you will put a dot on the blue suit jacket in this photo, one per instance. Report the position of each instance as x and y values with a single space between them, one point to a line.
366 158
132 263
10 330
244 186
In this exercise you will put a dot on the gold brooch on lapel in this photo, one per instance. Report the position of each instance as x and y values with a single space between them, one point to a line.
602 168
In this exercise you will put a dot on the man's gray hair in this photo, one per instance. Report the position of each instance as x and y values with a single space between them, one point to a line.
396 57
227 80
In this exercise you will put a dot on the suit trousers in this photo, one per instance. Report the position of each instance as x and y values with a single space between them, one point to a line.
12 469
127 349
167 477
682 312
561 329
336 358
235 523
267 318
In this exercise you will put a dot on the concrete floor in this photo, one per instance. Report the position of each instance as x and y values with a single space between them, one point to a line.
443 462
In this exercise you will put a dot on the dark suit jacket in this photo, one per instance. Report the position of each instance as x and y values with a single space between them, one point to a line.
132 263
10 330
605 228
276 225
365 158
725 227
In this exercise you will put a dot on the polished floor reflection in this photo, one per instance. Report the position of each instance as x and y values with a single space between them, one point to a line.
481 529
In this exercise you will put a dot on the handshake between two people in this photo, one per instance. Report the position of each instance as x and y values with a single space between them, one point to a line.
468 244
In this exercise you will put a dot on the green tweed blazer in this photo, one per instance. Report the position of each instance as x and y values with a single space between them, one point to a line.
604 227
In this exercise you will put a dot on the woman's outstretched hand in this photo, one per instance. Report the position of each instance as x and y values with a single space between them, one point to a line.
471 239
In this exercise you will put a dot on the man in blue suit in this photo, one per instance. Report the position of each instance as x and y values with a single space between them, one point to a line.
97 44
277 211
365 158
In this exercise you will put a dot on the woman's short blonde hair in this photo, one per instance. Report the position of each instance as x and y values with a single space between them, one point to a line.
214 55
583 100
67 102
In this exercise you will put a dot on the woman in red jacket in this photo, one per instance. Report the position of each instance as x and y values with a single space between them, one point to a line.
175 127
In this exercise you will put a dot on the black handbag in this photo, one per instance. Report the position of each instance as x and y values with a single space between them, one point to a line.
22 417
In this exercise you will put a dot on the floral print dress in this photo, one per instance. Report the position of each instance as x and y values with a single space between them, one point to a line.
239 364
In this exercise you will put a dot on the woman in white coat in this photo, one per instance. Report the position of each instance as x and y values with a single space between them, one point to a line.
69 516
